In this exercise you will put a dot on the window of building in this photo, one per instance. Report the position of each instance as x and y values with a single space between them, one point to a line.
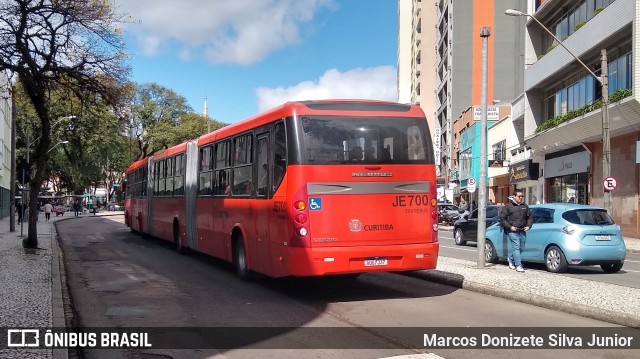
499 150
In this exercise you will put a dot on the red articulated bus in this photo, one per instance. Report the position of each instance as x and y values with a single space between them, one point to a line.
309 188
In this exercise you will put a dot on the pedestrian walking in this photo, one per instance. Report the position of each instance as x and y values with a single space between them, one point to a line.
48 208
19 211
76 208
516 219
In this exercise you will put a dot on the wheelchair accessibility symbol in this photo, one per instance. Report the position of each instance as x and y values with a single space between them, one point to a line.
315 204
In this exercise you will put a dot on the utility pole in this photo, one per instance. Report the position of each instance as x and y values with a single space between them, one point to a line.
485 32
606 134
12 191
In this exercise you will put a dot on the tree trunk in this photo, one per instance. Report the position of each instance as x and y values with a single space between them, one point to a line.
32 234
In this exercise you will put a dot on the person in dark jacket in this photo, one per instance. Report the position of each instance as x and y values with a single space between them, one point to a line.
516 219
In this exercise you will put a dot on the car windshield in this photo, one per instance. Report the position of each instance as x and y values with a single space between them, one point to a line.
593 217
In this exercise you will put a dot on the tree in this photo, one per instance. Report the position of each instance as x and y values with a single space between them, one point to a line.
155 112
48 44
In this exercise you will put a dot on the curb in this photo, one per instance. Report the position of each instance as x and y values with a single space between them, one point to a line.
57 282
458 281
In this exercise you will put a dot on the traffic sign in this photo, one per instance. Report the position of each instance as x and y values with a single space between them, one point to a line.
471 184
609 183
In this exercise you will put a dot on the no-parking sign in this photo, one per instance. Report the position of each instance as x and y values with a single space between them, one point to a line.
609 183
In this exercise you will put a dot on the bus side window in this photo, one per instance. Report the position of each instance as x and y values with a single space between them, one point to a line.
279 156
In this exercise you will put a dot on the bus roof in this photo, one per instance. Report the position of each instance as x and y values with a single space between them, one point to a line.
182 147
137 164
317 107
351 107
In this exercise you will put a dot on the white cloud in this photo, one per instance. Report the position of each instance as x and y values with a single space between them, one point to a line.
223 31
376 83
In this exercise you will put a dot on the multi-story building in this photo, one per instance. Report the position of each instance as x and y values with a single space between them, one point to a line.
5 145
416 58
562 121
440 62
458 63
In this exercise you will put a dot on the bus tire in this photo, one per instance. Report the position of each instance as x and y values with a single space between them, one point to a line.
176 238
240 259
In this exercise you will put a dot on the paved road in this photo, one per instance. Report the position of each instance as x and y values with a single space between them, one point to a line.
629 275
119 279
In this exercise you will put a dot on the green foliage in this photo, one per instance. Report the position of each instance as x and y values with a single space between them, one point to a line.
579 25
597 10
155 112
551 47
61 52
555 121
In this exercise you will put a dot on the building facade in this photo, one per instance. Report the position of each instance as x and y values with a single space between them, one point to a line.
563 117
416 56
5 145
458 64
467 137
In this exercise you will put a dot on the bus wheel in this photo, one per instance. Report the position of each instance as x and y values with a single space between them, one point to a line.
240 259
176 238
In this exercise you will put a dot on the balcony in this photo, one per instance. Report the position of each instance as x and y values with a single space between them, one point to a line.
585 42
588 128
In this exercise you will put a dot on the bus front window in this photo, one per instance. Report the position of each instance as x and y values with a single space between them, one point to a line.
378 140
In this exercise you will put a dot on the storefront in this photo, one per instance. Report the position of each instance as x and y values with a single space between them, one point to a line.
567 176
499 188
524 177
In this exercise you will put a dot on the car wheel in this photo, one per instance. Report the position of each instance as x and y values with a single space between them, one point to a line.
490 255
612 267
555 261
458 237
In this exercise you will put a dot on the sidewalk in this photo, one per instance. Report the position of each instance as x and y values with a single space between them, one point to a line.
602 301
32 283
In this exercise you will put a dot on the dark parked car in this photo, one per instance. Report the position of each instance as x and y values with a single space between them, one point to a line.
466 228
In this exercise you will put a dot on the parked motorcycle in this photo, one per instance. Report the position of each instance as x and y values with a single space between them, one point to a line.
448 217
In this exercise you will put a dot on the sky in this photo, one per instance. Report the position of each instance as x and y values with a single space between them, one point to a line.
247 56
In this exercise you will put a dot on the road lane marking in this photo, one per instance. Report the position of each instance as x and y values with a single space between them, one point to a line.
460 248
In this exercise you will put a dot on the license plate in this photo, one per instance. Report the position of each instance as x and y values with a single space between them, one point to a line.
603 238
372 262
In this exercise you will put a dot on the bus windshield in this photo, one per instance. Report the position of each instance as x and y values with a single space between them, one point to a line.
330 140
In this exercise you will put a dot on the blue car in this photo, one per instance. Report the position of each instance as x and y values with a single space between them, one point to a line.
565 234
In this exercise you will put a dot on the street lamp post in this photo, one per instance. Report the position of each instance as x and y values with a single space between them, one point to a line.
604 85
56 145
485 32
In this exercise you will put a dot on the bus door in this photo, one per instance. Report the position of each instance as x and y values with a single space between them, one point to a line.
260 256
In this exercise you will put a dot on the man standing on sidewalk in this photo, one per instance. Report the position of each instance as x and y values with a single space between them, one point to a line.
516 219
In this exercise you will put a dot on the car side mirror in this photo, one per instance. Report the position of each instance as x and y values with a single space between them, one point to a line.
461 210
